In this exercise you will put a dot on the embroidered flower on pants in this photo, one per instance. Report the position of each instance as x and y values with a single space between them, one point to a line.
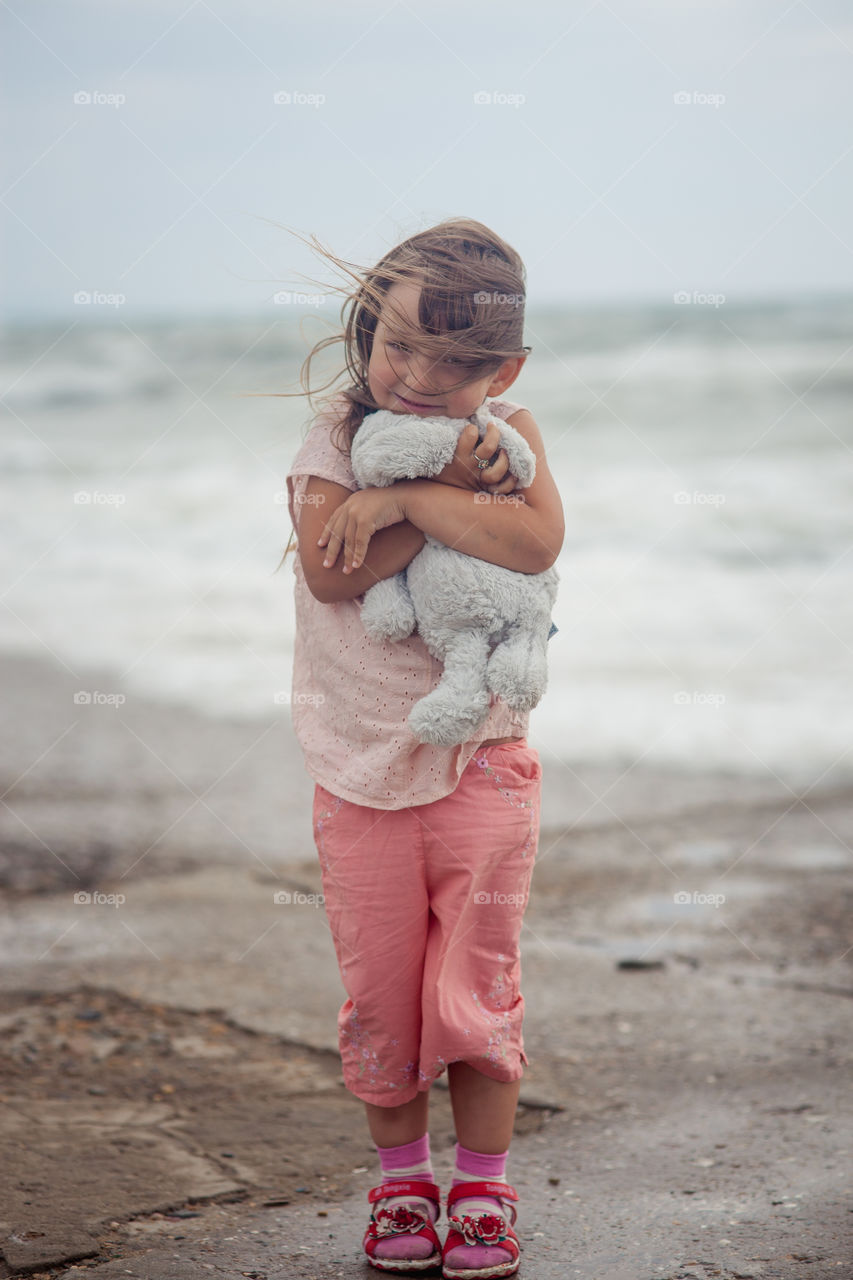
482 762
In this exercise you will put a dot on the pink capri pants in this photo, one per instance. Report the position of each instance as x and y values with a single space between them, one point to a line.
425 905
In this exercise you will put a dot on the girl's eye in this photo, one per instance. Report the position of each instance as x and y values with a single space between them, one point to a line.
397 346
452 360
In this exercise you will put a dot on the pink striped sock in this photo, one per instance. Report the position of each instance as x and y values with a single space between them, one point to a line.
477 1166
409 1161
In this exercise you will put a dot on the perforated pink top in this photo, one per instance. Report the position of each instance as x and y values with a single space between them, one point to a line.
352 694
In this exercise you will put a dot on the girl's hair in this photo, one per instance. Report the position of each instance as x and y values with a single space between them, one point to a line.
472 295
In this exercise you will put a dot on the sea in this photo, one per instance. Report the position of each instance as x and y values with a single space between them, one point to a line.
703 449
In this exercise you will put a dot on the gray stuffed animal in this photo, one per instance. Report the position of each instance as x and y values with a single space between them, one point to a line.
488 625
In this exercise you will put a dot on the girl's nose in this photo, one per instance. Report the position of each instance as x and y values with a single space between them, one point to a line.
421 372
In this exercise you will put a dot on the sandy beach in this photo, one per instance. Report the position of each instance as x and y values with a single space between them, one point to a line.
173 1102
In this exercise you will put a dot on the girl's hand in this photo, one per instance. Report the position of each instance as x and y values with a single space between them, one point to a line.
356 520
463 471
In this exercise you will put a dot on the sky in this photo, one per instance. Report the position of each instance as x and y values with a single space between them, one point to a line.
160 156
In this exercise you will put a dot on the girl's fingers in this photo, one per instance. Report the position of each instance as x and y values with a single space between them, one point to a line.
349 530
507 485
356 544
490 442
349 548
347 544
497 471
359 551
467 449
333 542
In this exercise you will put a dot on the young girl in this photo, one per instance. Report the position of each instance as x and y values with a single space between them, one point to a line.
426 852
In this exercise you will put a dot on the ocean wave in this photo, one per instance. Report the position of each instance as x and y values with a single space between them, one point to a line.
709 522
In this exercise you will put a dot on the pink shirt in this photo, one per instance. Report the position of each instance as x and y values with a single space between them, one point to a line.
352 694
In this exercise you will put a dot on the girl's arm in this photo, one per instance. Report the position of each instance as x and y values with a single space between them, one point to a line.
390 550
522 532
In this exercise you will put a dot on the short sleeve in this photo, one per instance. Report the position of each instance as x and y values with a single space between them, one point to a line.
504 409
319 456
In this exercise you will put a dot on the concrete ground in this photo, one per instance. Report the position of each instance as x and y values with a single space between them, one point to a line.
172 1101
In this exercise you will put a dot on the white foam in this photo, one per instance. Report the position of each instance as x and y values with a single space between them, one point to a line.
741 604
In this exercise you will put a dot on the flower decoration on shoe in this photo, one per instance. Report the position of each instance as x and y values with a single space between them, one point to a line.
485 1228
397 1221
481 1243
401 1234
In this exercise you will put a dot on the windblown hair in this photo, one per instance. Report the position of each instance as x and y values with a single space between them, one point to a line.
471 306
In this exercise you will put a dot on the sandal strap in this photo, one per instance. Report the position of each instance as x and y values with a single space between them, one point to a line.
470 1220
473 1191
406 1187
405 1216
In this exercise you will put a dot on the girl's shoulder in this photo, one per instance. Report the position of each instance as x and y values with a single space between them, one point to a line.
320 454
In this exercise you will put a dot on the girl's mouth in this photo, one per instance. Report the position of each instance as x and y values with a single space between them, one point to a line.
412 406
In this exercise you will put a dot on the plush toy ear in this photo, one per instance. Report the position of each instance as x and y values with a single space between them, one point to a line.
522 459
401 446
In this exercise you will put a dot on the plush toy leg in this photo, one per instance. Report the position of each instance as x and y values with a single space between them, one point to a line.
460 703
388 612
518 668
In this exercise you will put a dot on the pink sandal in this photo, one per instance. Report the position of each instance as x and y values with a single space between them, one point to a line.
405 1216
489 1228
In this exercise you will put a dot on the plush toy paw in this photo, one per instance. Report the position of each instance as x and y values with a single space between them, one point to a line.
445 721
517 671
387 612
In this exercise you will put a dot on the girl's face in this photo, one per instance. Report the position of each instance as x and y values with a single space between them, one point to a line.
406 381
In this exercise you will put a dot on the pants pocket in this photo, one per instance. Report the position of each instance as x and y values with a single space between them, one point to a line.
515 763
